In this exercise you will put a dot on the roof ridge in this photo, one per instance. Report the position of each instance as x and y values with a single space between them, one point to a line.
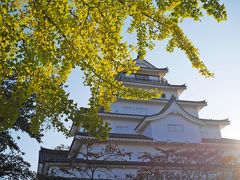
143 60
46 149
165 68
171 100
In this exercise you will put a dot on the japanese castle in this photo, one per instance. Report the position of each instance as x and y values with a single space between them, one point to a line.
137 126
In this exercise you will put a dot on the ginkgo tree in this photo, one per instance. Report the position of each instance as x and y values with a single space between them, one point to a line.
41 41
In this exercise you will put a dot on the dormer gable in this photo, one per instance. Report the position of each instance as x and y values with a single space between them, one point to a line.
172 107
144 64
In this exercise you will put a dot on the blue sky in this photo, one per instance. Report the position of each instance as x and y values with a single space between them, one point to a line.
219 45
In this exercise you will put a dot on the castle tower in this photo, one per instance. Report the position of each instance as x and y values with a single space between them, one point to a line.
139 126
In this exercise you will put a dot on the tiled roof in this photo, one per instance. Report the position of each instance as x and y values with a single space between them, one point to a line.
51 154
140 61
222 141
173 99
138 81
122 135
161 69
132 163
165 100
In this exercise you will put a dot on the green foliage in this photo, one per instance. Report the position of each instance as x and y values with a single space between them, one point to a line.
42 41
12 164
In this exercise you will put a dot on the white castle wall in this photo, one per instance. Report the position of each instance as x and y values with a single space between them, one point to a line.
123 125
169 93
191 110
172 128
118 173
211 132
135 108
162 132
137 150
141 108
148 131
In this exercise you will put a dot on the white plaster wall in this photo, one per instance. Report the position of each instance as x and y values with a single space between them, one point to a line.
95 148
123 125
57 172
169 93
121 172
160 132
135 108
140 108
191 110
147 131
212 132
137 150
118 173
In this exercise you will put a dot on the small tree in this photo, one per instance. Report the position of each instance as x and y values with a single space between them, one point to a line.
195 163
91 158
12 165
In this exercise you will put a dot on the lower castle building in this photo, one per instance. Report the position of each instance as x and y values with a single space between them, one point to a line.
162 138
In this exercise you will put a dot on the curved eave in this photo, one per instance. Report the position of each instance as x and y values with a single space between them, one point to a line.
144 123
89 138
222 123
178 87
199 104
119 115
153 71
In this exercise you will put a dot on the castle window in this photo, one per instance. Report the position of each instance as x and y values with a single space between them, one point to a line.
154 78
163 95
141 76
175 128
129 75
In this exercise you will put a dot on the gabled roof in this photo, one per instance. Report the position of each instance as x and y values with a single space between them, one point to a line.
121 135
153 84
48 154
143 63
199 104
178 110
147 67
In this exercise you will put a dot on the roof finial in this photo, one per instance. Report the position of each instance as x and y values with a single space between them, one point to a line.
138 56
